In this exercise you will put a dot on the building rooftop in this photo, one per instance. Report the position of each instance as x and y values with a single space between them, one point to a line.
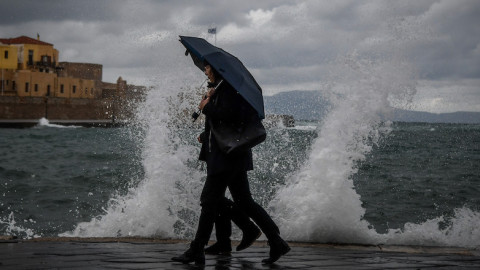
23 40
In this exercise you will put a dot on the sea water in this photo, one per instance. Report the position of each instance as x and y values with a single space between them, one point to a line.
419 185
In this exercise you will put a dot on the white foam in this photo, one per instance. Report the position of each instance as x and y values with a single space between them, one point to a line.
43 122
13 229
305 127
165 203
319 202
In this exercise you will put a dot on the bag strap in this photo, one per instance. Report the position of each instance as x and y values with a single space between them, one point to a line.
216 97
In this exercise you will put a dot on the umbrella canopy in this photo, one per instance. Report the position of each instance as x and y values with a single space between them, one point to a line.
231 69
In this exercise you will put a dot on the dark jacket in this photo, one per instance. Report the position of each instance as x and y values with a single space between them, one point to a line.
225 106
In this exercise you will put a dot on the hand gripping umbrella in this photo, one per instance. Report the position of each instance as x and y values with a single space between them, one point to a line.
231 69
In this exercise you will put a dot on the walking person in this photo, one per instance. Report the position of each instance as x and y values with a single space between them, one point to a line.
224 105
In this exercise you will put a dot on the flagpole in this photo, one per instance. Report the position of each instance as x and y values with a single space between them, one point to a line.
214 32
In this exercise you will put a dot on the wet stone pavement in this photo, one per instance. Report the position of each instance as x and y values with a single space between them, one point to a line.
146 253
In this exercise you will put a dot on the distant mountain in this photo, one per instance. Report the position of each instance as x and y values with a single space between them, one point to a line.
310 105
416 116
303 105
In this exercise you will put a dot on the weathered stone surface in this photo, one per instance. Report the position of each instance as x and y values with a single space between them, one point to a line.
150 253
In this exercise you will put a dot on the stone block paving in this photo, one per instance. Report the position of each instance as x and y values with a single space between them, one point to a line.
143 253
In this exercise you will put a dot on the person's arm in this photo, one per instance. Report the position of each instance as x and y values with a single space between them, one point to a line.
230 107
201 138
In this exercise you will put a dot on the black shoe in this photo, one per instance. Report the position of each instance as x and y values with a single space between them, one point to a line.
249 238
278 248
219 248
194 254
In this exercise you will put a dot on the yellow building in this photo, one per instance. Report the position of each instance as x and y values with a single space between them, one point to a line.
8 63
8 56
30 68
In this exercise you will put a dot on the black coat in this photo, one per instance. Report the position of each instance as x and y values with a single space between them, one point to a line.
226 106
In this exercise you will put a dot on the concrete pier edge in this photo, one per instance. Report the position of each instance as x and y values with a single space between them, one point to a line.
156 253
351 246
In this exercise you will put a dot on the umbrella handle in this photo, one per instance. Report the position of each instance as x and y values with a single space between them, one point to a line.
221 81
196 114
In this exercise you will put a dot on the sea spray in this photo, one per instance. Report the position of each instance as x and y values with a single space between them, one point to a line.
319 202
165 202
43 122
13 229
459 230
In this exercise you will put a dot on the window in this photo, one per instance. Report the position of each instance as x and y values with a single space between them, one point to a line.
36 87
74 89
30 57
91 91
6 54
61 88
26 87
13 85
48 90
86 91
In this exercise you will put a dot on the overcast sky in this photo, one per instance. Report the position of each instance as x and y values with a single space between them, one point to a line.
287 45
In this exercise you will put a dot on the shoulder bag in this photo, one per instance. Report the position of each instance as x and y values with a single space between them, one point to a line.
231 138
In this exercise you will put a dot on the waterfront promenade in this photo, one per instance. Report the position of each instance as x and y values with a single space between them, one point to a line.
149 253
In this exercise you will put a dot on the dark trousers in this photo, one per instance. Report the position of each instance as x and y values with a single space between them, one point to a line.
229 212
212 198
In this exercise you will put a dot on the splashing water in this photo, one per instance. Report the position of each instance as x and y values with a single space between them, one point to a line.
317 203
13 229
320 204
460 230
157 205
326 207
43 122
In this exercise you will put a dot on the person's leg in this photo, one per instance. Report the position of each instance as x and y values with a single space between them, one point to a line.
223 225
213 190
211 199
250 231
223 229
240 190
229 212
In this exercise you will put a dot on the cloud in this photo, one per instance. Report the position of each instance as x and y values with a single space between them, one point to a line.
288 45
21 11
447 96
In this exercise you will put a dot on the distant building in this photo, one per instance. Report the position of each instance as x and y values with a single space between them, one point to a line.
30 69
37 72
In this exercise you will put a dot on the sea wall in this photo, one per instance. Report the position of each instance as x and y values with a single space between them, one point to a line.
21 108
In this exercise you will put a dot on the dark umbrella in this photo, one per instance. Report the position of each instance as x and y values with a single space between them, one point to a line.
231 69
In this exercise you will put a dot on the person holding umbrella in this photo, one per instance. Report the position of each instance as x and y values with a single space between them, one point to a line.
228 105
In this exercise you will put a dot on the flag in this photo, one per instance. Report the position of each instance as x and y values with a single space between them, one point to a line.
212 30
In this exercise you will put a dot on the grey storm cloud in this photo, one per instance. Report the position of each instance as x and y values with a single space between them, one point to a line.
18 12
288 43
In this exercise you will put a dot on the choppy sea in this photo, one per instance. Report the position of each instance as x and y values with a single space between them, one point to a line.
419 184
